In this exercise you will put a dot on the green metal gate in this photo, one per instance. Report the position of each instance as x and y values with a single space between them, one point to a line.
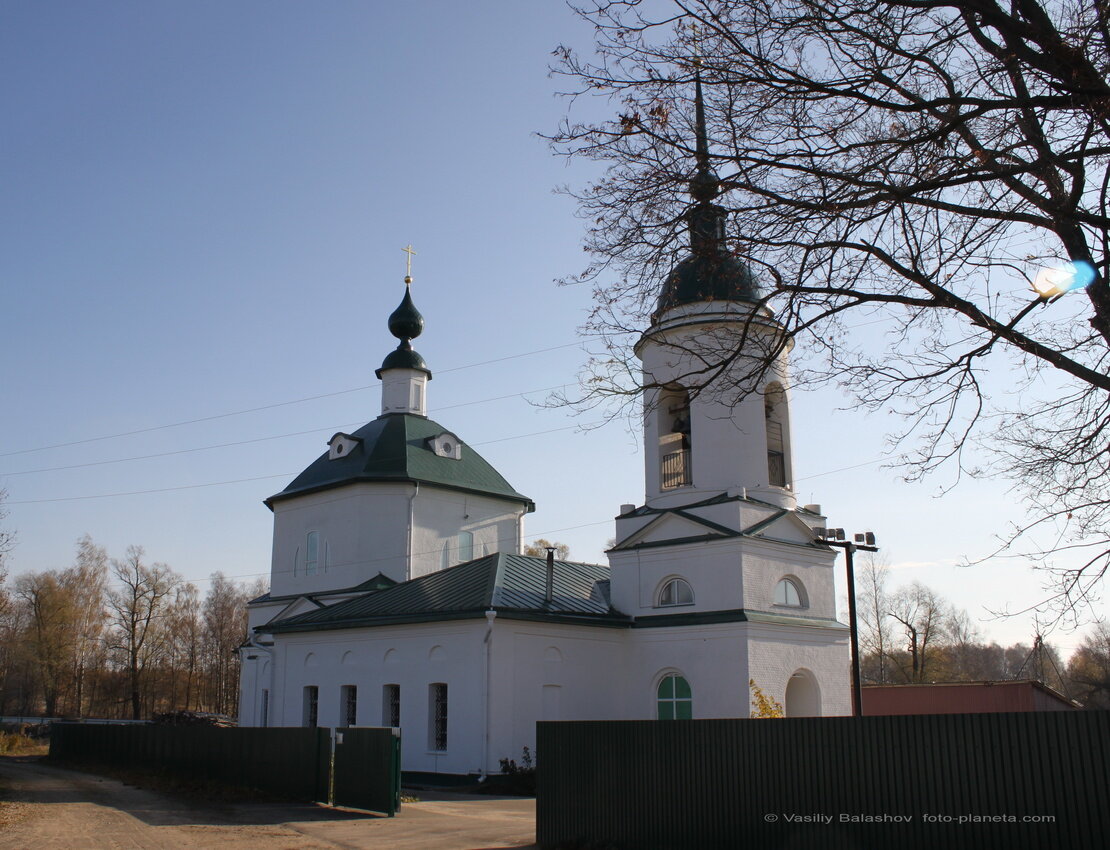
367 769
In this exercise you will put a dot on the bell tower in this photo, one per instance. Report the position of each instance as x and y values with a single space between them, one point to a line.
716 384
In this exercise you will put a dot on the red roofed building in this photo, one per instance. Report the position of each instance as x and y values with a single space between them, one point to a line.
963 698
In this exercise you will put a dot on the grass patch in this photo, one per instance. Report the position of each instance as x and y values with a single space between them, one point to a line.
15 744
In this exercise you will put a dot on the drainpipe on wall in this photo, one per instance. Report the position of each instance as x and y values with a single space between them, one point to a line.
487 697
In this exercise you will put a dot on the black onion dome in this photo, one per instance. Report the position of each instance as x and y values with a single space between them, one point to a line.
708 277
406 322
403 357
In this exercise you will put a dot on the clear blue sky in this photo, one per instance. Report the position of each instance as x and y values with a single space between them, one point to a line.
204 210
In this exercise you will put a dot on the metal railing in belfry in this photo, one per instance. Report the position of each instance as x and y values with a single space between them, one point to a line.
676 469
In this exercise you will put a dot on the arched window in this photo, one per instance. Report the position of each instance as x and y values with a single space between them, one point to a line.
789 592
312 553
674 438
675 591
466 546
674 701
445 556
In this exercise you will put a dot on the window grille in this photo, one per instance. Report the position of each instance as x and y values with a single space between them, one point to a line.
311 705
350 705
438 716
391 705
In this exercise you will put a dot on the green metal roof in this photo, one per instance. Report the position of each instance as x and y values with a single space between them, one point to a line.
379 582
508 584
394 447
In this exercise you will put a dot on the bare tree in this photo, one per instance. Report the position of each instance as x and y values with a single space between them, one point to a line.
185 643
138 606
922 615
913 164
1089 669
85 586
225 629
873 611
538 548
48 639
961 637
7 540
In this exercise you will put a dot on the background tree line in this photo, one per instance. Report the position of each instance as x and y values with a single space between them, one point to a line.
911 635
119 638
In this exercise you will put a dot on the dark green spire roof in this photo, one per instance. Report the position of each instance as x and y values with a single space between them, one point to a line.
710 273
395 447
406 324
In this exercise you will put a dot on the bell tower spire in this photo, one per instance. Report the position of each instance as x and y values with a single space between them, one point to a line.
706 219
711 334
403 373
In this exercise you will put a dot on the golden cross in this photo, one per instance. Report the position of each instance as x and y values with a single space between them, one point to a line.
408 262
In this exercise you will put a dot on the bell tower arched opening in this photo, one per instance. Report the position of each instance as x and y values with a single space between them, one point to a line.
775 415
675 445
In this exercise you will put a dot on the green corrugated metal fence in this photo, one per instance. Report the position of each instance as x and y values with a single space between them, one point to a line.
971 780
290 761
367 769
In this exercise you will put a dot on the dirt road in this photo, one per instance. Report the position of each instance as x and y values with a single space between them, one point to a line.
49 808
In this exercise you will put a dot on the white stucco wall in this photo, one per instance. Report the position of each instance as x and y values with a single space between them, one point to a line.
365 529
777 652
728 437
413 657
441 514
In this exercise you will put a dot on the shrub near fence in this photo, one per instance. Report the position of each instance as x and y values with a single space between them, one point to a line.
986 781
292 762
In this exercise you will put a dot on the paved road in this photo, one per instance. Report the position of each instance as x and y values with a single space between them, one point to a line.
51 808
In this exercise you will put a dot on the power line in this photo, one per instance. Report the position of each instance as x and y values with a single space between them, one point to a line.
259 478
147 492
263 439
274 405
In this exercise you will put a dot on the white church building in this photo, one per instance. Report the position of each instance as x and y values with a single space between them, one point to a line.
399 597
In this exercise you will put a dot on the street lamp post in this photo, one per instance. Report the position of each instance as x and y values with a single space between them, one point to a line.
866 543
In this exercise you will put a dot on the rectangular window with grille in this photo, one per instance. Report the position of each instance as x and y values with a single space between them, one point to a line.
348 701
264 711
391 705
311 705
437 717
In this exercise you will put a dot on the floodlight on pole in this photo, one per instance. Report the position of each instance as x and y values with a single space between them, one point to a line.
863 542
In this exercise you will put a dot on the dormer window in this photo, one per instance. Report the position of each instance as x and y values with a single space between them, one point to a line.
342 445
446 445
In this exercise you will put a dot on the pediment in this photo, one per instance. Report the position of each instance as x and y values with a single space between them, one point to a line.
671 527
300 605
785 527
